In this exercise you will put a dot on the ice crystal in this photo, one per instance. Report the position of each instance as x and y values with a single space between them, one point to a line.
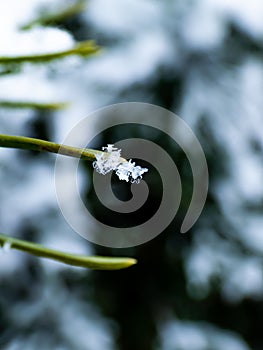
129 171
110 160
107 161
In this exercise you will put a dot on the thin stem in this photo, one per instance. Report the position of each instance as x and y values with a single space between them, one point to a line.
33 105
84 48
56 17
32 144
92 262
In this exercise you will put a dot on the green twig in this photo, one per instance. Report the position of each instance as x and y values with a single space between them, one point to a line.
57 17
92 262
33 105
84 48
29 143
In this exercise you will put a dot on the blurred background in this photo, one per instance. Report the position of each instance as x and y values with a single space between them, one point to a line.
203 61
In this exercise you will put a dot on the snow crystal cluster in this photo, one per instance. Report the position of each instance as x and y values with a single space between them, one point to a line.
110 160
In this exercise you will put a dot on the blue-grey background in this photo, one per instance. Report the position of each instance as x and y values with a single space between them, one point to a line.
198 291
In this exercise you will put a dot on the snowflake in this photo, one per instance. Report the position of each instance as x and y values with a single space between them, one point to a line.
128 171
110 148
110 160
107 161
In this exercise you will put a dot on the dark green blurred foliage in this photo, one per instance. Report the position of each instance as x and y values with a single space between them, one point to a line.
140 299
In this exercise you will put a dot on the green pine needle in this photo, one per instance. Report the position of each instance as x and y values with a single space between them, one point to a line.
83 49
92 262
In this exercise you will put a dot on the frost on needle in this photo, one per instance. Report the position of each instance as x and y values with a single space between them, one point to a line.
110 160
